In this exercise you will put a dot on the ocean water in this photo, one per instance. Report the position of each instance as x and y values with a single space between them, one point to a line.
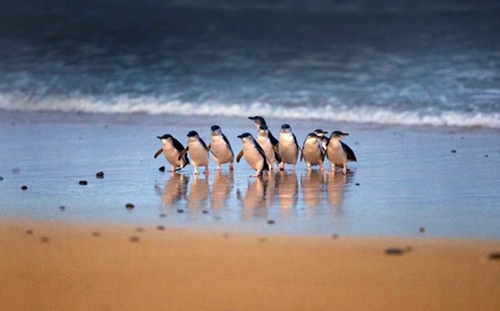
424 63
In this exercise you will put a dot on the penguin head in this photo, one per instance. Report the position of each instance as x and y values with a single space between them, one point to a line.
320 132
312 137
285 128
215 130
338 134
192 136
245 137
258 120
165 137
263 129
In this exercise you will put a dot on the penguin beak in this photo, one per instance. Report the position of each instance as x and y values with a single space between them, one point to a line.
239 136
251 118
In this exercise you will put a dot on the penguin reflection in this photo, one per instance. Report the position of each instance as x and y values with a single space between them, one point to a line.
222 185
198 193
335 188
174 189
287 188
312 188
256 199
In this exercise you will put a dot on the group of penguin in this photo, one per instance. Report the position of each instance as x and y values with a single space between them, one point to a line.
262 153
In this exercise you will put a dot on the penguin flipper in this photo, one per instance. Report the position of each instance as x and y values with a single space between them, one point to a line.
183 152
158 152
209 148
350 153
238 158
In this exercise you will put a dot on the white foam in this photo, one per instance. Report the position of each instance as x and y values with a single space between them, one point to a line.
149 105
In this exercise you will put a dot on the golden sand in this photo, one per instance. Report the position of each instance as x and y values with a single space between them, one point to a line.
53 266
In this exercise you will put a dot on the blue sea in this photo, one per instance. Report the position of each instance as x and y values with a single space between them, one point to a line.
423 63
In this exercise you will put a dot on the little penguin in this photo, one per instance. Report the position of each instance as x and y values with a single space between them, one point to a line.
270 151
338 152
322 138
258 121
312 152
288 147
198 151
220 148
253 153
172 149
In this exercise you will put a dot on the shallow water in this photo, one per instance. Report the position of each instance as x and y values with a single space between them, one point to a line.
406 178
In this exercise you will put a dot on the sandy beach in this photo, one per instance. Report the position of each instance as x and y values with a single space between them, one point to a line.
54 266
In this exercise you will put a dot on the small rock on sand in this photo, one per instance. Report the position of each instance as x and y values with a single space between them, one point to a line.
134 239
129 206
83 182
494 256
161 168
24 188
1 178
271 222
29 231
44 239
394 251
99 175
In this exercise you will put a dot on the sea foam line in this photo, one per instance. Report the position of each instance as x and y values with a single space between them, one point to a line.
146 105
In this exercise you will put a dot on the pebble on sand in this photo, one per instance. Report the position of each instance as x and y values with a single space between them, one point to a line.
494 256
99 175
44 239
335 236
161 168
29 231
62 208
1 178
24 188
129 206
394 251
271 222
16 170
453 151
160 228
180 211
83 182
96 234
421 229
134 239
163 215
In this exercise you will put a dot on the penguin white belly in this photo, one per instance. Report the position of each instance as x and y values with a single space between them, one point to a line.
221 150
288 149
253 157
266 145
171 155
198 153
336 154
312 154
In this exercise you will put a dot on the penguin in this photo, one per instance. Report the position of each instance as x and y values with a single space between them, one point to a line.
322 138
253 153
312 152
288 147
220 148
266 145
198 151
338 152
172 149
258 121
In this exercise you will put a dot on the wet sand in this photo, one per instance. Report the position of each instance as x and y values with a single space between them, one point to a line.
55 266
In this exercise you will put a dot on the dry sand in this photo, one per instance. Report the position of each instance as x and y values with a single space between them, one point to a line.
55 266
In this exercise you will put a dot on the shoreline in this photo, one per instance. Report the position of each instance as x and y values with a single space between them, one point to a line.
59 266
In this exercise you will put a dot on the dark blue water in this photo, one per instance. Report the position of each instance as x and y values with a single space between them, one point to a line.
400 62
